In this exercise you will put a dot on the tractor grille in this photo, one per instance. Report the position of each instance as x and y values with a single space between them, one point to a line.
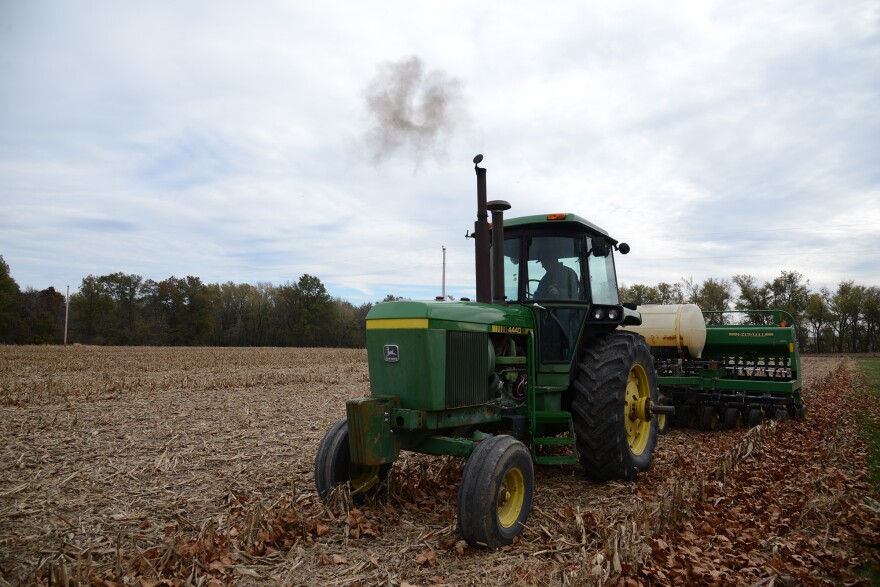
467 368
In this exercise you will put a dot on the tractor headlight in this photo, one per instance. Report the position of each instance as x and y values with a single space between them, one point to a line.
598 314
613 314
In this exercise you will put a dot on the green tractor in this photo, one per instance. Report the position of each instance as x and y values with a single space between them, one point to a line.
537 370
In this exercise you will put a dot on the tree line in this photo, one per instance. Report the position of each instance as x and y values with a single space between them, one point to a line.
126 309
846 320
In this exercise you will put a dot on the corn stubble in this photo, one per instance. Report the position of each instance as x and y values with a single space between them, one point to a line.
174 466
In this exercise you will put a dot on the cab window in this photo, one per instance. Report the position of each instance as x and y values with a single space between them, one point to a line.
603 283
554 268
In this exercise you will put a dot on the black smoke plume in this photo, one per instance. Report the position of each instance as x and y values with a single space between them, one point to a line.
412 111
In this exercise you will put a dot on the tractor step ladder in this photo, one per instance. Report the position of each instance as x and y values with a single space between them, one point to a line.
563 459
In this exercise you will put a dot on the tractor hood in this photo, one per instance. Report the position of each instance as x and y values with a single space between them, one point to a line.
472 316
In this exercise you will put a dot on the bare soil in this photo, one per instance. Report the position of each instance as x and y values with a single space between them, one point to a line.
172 466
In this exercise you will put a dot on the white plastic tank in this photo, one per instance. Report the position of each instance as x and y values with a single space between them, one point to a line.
673 326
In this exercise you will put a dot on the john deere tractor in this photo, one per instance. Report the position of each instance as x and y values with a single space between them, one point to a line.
536 370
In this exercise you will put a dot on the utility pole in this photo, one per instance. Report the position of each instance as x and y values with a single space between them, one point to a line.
444 272
66 313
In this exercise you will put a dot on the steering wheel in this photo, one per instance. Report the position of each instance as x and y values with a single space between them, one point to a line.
529 294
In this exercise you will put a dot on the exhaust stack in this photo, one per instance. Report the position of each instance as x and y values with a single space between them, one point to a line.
481 236
497 207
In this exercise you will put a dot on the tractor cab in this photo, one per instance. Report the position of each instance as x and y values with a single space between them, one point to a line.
562 267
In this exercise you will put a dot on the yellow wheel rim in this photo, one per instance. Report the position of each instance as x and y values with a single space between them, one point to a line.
363 478
638 426
511 495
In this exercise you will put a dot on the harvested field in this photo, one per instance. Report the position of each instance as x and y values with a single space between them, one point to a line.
127 466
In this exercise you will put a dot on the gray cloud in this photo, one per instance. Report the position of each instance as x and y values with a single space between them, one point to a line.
714 138
102 225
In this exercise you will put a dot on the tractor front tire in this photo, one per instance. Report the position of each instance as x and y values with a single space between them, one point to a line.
497 488
333 466
614 382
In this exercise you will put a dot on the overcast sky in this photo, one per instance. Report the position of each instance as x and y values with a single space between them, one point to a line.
257 141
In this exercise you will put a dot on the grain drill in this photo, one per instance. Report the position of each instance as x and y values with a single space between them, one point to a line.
727 373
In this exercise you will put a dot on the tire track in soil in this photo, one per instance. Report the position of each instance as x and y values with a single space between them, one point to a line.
789 512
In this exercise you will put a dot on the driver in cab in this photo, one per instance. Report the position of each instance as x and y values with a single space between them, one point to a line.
559 282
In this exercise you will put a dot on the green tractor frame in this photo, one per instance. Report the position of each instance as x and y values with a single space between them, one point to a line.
536 370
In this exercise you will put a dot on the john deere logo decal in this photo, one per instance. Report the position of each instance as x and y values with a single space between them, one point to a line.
392 353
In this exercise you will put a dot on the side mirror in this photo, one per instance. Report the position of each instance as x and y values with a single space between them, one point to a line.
600 248
623 248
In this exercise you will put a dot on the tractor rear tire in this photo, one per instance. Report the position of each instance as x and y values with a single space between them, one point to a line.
614 382
333 466
732 418
496 492
708 418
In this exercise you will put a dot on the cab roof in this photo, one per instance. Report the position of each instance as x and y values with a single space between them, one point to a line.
547 220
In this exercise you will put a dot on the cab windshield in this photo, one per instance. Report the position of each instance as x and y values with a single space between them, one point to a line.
553 269
563 272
